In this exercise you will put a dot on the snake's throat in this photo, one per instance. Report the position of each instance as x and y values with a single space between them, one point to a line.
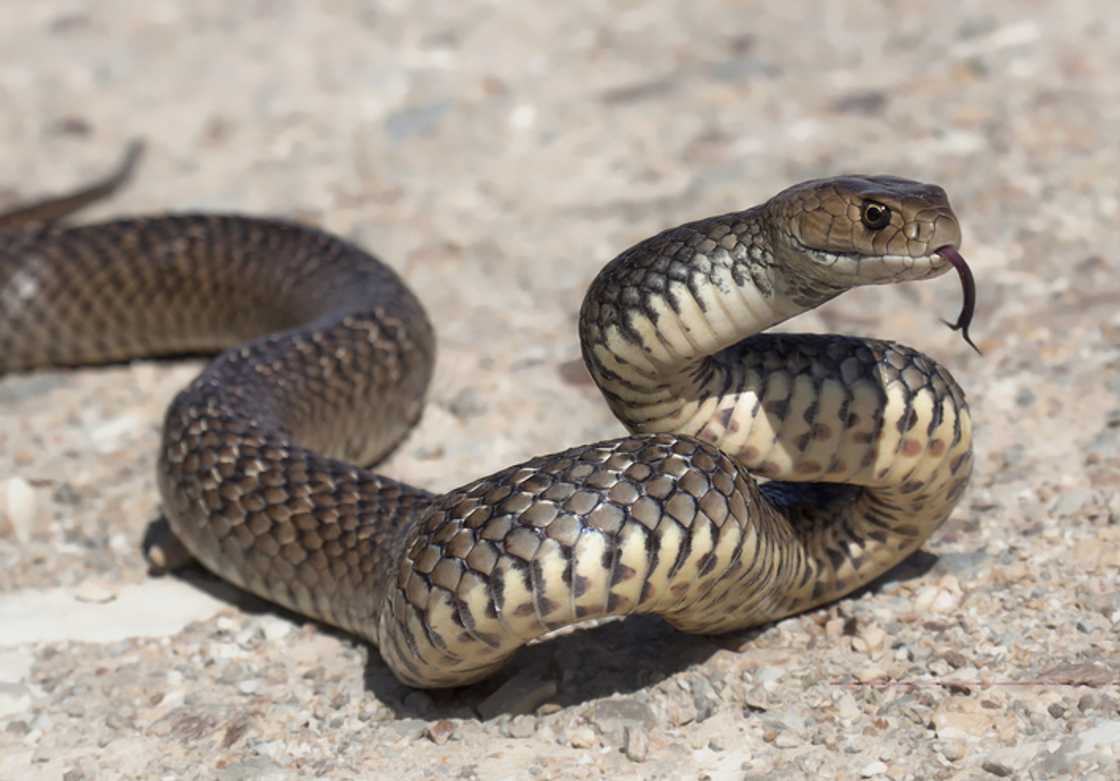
968 287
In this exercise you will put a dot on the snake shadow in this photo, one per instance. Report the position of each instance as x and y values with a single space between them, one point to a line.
580 665
583 664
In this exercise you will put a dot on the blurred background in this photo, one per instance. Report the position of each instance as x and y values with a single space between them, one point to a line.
497 154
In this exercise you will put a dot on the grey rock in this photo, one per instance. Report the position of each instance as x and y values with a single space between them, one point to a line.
1083 747
961 563
705 696
636 744
467 403
1070 501
440 732
612 717
420 120
523 726
408 728
627 711
996 768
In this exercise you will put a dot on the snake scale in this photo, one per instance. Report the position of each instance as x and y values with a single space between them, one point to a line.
325 357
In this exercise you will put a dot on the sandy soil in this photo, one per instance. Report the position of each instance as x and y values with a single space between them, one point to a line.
498 154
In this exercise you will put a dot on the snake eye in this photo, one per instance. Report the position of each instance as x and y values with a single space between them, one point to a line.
875 216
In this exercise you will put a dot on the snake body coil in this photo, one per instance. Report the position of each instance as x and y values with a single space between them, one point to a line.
866 444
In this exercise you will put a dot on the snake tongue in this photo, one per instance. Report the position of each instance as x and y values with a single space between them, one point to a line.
968 286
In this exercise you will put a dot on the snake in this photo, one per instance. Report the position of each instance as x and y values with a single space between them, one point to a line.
763 473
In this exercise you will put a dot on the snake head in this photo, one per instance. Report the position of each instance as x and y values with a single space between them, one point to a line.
864 230
834 234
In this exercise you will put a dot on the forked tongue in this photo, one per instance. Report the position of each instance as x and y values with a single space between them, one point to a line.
968 286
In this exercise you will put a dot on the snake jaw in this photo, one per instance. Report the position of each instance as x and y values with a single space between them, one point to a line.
853 269
844 270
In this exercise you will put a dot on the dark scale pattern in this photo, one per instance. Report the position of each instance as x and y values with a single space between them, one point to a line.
526 529
690 254
327 357
827 515
274 516
879 364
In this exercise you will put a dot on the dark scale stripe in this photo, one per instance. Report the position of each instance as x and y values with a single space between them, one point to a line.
653 557
541 603
405 648
707 564
430 634
612 554
937 416
886 524
569 564
848 530
465 619
683 553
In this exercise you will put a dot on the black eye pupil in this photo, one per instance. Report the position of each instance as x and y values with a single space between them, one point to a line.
876 216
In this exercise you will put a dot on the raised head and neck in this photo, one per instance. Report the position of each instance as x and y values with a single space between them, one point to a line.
670 331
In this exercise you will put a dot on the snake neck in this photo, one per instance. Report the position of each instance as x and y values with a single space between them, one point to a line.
661 319
670 331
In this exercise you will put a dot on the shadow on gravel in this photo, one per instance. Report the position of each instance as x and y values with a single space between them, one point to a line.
914 566
581 665
616 657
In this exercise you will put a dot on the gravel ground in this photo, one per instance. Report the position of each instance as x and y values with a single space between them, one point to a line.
497 154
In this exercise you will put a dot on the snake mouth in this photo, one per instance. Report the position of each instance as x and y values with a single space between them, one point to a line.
862 269
856 268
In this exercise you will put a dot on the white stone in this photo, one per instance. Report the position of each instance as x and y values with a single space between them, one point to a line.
274 628
95 592
15 664
155 608
769 674
873 769
1106 733
14 699
20 503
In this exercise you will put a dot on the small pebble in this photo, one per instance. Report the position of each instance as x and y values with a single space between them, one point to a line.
873 769
275 628
522 726
440 732
583 736
955 658
95 592
996 768
636 744
874 638
20 505
18 728
467 403
787 739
